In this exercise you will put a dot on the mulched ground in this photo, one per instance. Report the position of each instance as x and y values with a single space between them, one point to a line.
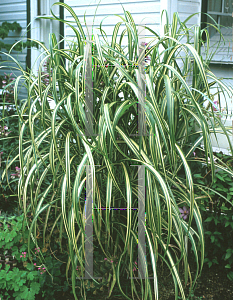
212 285
215 285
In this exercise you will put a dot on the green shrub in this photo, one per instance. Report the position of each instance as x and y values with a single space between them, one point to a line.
9 136
21 278
4 31
216 204
21 283
15 282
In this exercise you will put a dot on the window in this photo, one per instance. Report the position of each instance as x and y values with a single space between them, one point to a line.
40 28
221 62
221 12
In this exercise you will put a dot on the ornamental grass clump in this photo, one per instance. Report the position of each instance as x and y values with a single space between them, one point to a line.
58 151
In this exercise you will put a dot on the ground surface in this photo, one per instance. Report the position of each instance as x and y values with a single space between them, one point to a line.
212 285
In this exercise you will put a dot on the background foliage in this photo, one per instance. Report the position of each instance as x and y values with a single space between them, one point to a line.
217 214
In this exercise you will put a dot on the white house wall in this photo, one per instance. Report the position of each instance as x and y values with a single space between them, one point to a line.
149 10
11 11
186 8
143 11
224 71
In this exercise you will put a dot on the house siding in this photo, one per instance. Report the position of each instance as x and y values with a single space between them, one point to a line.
144 12
186 8
149 10
11 11
223 71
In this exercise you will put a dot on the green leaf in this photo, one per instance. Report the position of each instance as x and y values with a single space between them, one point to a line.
228 255
208 232
30 275
30 266
209 219
229 250
24 294
224 208
230 275
35 287
216 221
220 177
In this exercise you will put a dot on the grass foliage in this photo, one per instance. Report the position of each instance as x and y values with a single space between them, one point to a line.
54 149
